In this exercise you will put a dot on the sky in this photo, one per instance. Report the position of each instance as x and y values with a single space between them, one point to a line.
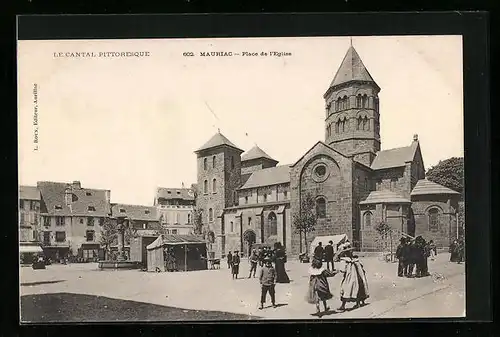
131 125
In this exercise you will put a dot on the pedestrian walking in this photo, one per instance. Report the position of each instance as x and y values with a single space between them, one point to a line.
460 251
329 255
319 289
235 265
261 256
354 285
454 251
319 252
267 279
254 259
412 258
400 255
279 264
229 260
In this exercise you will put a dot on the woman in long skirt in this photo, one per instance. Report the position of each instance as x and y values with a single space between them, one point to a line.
319 289
279 264
354 286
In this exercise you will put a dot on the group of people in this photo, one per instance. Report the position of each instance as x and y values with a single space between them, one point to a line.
354 285
325 254
412 255
457 250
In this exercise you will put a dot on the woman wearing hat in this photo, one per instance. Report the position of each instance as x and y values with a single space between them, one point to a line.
319 289
354 286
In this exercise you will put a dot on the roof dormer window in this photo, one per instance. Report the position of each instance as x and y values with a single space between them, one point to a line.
178 192
91 208
88 194
146 211
57 207
169 192
122 210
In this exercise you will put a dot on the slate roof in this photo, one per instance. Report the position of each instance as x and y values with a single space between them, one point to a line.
256 153
387 197
174 193
29 193
217 140
135 212
53 194
351 69
166 239
394 157
268 176
427 187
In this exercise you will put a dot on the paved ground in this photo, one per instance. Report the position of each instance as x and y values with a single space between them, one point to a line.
442 294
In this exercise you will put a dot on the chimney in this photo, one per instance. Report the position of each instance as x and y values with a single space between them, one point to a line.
76 185
108 196
68 196
415 138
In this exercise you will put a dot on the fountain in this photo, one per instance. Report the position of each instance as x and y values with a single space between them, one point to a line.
121 261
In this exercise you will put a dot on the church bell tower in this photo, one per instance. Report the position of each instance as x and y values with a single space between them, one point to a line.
352 124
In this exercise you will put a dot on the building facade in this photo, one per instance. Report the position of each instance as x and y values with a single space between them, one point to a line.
29 214
248 199
175 207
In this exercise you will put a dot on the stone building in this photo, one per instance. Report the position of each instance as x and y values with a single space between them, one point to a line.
143 219
72 217
29 213
248 198
175 207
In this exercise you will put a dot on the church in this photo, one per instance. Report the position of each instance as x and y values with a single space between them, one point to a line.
247 198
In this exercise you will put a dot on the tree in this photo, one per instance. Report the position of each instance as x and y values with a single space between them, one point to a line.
198 221
385 231
109 232
305 220
449 173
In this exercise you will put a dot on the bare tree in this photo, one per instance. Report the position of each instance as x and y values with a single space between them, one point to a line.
305 221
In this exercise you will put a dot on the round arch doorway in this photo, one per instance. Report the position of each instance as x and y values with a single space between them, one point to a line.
249 239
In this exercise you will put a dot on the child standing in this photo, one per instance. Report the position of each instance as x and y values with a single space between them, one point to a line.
319 289
267 278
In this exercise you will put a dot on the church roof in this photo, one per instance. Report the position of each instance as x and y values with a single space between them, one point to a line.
255 153
174 193
427 187
386 197
394 157
351 69
217 140
135 212
268 177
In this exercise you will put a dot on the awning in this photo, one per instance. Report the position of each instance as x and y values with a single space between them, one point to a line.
30 249
281 209
175 240
258 211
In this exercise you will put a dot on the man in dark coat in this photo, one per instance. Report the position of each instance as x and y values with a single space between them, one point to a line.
318 252
261 254
412 257
235 265
329 255
229 259
267 278
401 252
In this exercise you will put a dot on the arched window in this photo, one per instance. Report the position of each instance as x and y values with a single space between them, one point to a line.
265 197
246 199
360 123
321 207
339 104
272 223
177 218
365 101
433 215
213 162
205 164
368 219
189 218
365 122
214 185
375 101
337 127
232 227
358 101
205 186
210 215
346 102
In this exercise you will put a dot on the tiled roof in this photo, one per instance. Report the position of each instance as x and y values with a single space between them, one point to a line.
394 157
29 193
426 187
174 193
269 176
135 212
53 194
174 239
351 69
388 197
217 140
255 153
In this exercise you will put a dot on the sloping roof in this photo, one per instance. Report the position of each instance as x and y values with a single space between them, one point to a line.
269 176
255 153
174 193
53 194
217 140
351 69
135 212
169 239
427 187
29 193
386 197
394 157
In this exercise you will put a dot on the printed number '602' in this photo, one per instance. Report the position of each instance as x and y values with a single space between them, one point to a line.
188 54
